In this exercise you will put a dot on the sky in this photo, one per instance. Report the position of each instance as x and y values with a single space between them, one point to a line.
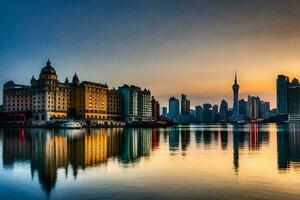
170 46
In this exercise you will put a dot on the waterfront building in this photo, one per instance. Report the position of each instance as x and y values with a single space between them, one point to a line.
137 104
294 100
49 96
114 105
235 88
173 108
253 107
207 113
16 101
199 113
223 111
282 83
90 99
185 105
164 111
155 109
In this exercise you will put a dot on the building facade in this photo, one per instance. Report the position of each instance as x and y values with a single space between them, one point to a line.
137 105
173 108
294 100
282 83
155 109
115 105
223 111
185 105
49 96
253 107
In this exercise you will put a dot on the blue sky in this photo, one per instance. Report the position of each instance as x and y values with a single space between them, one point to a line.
170 47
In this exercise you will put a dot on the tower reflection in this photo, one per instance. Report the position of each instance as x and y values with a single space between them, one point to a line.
288 146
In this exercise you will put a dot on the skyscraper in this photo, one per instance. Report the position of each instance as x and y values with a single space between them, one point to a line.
185 105
243 107
253 107
282 94
164 111
199 113
235 88
223 111
173 108
207 113
215 113
294 100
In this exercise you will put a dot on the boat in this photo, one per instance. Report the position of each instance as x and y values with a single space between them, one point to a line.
68 124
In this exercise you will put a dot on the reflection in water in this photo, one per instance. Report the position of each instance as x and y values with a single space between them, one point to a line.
288 146
49 150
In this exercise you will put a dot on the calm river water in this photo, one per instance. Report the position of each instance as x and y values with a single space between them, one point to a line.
184 162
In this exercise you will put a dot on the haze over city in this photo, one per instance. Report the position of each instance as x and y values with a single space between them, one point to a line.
170 47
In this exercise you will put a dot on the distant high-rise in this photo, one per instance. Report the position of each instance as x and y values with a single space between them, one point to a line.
243 107
185 105
223 111
155 109
173 108
253 107
215 113
207 113
164 111
294 100
264 109
235 88
282 94
199 113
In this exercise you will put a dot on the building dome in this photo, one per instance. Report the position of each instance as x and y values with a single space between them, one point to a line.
48 72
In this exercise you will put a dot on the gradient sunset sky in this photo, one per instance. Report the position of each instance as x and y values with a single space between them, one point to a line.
168 46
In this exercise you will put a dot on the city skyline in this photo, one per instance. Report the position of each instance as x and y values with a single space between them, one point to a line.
197 45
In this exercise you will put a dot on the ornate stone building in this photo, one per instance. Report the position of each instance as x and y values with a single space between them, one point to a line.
50 98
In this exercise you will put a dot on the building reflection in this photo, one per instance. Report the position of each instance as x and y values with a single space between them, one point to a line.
174 140
136 143
288 146
49 150
224 137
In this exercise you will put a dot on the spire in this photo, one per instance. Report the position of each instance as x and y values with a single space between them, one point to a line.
48 63
235 78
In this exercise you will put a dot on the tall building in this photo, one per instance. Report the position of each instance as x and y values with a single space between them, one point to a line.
164 111
243 107
264 109
282 83
173 108
223 111
253 107
207 113
235 88
199 113
155 109
137 104
294 100
185 105
215 114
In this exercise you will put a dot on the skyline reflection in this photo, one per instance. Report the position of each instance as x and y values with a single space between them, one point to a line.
47 151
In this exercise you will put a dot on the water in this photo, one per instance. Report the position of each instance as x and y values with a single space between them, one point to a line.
185 162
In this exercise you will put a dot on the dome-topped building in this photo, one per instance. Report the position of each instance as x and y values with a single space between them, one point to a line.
48 72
